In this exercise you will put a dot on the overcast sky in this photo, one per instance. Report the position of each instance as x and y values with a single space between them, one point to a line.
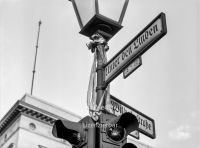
165 88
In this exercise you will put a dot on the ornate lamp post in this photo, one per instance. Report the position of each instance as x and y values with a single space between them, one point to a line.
99 20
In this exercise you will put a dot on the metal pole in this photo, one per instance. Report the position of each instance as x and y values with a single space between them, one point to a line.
36 51
100 77
99 89
99 45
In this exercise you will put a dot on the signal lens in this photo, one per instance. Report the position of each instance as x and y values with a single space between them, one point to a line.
116 133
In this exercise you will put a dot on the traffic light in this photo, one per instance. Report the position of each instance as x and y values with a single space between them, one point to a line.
108 132
116 129
76 133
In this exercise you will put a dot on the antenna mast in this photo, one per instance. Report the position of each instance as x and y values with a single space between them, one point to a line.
36 50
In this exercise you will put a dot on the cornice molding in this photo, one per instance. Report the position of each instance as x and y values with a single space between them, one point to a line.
22 108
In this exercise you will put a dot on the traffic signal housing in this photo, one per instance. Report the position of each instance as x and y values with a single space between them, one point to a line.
116 129
76 133
109 131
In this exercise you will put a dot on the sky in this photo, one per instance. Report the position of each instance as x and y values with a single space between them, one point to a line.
166 87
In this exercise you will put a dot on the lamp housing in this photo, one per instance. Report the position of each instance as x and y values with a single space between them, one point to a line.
100 16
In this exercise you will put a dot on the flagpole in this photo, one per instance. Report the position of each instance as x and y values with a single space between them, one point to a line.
36 51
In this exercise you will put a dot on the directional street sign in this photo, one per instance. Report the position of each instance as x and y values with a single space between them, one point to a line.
155 30
146 124
132 67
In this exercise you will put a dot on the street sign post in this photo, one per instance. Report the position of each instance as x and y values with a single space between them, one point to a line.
132 67
154 31
146 124
123 120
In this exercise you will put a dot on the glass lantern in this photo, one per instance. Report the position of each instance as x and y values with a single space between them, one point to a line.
100 16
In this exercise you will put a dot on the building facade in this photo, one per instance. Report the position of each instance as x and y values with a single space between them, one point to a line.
28 124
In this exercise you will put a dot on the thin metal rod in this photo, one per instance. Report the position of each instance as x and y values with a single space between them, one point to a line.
97 6
123 12
36 51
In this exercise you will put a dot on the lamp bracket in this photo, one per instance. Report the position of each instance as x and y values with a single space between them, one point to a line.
97 39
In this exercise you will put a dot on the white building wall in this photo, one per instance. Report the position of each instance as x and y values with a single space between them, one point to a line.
29 139
36 133
12 141
36 127
10 135
30 130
